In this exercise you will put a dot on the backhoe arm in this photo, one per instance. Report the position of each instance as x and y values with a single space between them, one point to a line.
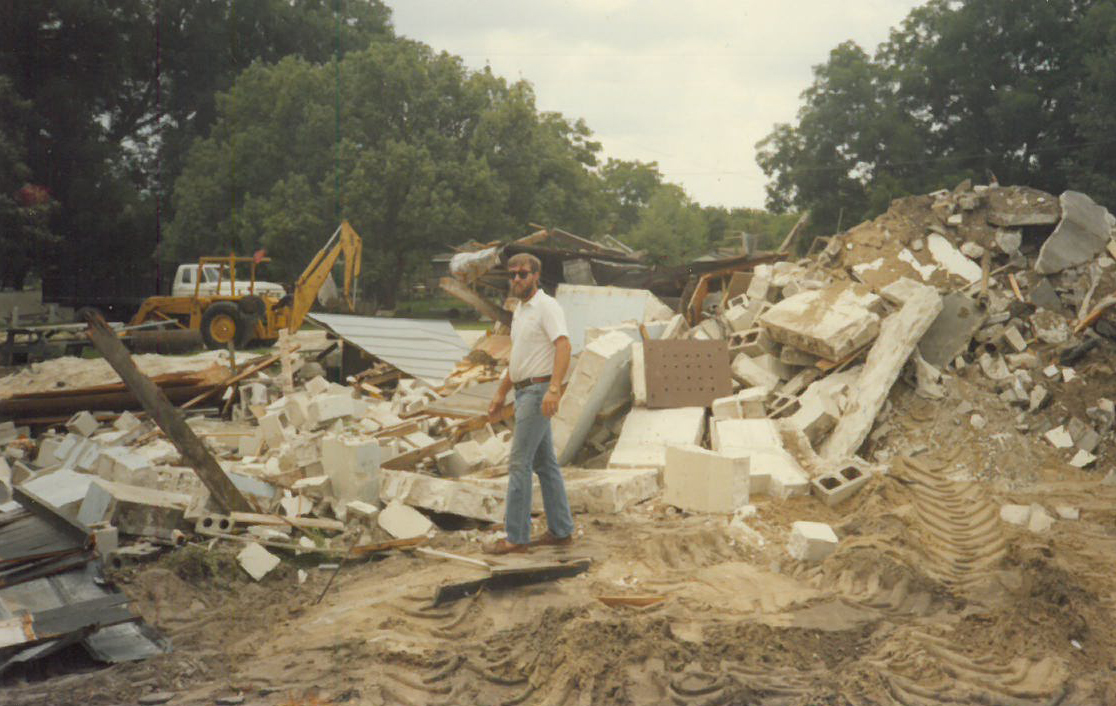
343 241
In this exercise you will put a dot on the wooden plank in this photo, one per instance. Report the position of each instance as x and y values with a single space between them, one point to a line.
362 549
438 553
407 461
251 369
167 416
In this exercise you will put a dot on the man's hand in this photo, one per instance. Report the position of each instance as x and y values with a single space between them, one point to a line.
550 402
495 408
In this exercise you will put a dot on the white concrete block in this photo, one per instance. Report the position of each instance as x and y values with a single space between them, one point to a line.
830 323
772 469
403 522
639 376
353 467
127 422
317 386
132 509
5 481
816 417
837 487
647 433
314 486
1015 514
250 445
495 450
749 373
468 499
811 541
1040 520
452 464
698 480
1082 458
601 374
257 561
1067 512
361 510
328 407
82 423
273 429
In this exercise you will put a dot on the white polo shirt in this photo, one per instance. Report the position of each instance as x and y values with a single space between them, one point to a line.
536 324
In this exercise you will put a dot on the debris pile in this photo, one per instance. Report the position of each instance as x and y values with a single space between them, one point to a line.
987 309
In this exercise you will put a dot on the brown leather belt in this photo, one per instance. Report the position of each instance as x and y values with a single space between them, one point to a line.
530 381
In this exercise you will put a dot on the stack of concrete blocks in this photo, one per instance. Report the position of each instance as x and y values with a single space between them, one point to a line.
600 376
772 469
840 485
353 467
830 323
647 433
811 541
699 480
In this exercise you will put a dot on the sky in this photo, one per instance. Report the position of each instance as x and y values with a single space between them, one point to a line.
691 85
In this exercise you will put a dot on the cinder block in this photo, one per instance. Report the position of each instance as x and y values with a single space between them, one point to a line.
811 541
353 467
835 488
317 386
328 407
315 486
495 451
749 373
82 423
754 342
452 464
49 446
127 422
816 417
699 480
273 429
739 317
746 404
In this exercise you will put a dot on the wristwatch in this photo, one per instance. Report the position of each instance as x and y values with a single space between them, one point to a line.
555 388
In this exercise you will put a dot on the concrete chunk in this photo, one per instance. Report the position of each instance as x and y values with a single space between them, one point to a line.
830 323
404 522
750 373
1015 514
1081 235
811 541
132 509
699 480
647 433
444 495
256 560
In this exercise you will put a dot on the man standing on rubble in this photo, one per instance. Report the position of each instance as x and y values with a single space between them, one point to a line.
540 356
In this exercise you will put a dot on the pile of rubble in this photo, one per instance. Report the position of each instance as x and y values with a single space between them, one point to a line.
779 387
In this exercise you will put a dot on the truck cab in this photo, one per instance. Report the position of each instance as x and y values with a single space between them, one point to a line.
215 282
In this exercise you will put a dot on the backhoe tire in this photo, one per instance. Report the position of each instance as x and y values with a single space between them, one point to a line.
222 324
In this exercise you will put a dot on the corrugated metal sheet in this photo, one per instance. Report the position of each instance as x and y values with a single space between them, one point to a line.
422 348
588 307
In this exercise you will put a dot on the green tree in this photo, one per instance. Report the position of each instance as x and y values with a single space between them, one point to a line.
431 154
671 229
1016 88
627 187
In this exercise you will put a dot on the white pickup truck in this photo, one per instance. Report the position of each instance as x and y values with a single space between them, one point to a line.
214 282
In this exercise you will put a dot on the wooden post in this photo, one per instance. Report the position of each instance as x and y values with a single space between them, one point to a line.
476 301
167 416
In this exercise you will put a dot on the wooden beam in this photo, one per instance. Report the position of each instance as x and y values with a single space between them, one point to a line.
167 416
788 242
476 301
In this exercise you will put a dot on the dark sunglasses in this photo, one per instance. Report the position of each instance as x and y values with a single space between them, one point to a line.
519 274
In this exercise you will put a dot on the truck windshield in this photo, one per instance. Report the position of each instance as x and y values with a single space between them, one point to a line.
211 273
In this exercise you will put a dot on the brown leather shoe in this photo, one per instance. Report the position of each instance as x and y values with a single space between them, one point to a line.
503 546
549 540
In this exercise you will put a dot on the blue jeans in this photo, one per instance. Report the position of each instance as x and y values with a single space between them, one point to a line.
533 449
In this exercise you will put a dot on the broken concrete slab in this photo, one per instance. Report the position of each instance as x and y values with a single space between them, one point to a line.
952 330
746 404
647 433
1015 514
772 469
899 334
748 372
1016 206
601 374
951 259
256 560
443 495
830 323
699 480
811 541
403 522
1081 235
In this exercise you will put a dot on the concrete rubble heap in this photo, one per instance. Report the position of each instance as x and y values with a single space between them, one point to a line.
1006 288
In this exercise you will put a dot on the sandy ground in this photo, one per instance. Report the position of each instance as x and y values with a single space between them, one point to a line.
930 598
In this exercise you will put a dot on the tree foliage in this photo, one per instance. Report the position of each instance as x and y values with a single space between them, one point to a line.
430 155
671 228
962 89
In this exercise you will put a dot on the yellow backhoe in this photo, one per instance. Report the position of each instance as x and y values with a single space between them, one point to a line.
227 310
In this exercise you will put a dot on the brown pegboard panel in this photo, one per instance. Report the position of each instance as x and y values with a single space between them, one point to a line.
686 373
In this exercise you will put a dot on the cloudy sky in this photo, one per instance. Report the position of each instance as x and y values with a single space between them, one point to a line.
692 85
